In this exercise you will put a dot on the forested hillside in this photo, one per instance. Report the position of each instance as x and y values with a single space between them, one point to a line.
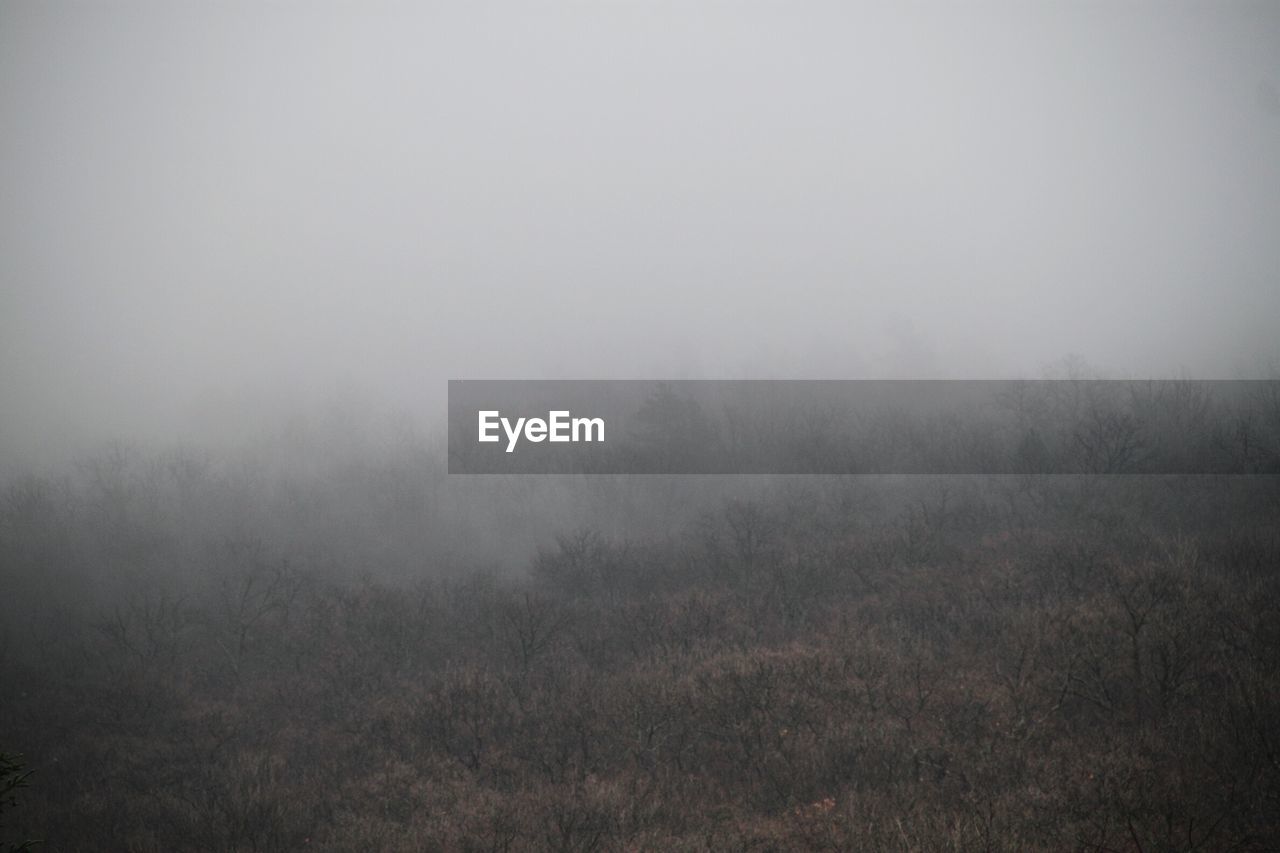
1011 663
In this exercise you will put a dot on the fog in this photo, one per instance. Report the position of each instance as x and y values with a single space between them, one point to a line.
212 215
244 604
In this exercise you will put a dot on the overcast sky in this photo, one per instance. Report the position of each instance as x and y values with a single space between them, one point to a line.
204 207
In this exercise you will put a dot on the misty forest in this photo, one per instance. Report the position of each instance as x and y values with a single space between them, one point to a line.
339 646
246 603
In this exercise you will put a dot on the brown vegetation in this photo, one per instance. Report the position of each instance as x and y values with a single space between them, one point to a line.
1035 664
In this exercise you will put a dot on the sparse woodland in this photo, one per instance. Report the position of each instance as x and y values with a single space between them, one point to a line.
200 656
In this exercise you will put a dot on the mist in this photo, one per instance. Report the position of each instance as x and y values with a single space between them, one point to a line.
211 217
263 587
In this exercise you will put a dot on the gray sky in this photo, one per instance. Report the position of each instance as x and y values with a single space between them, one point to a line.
207 208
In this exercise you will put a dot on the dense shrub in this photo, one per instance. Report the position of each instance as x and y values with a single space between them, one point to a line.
958 667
